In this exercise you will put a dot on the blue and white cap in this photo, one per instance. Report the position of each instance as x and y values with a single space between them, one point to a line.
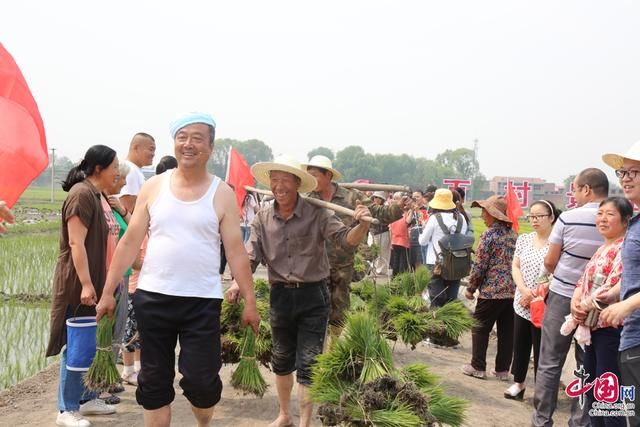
190 119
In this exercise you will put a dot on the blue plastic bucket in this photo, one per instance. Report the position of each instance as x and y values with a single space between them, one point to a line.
81 342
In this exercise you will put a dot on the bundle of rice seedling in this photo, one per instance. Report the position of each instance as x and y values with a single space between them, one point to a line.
355 383
448 410
261 288
263 344
357 304
455 317
247 376
403 284
412 328
420 375
423 278
102 373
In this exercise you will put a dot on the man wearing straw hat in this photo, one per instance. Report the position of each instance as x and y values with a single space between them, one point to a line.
187 212
627 167
341 258
289 237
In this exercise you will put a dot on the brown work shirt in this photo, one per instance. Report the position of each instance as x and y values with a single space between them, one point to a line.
293 248
83 201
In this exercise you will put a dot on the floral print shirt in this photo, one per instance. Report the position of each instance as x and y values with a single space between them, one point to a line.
491 270
606 261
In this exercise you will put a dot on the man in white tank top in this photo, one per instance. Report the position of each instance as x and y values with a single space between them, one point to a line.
186 212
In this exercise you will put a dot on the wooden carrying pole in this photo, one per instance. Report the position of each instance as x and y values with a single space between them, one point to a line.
374 187
317 202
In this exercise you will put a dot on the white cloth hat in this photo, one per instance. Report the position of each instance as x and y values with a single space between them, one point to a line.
323 162
261 170
616 160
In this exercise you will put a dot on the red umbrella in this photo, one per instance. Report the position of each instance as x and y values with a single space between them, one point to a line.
23 145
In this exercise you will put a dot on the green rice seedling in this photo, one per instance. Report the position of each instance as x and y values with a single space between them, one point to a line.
448 410
364 289
247 376
423 277
27 263
456 318
25 332
412 328
420 375
416 303
403 284
356 303
400 416
261 288
102 373
264 344
397 304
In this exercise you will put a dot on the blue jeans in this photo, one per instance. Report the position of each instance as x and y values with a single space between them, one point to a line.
424 253
71 389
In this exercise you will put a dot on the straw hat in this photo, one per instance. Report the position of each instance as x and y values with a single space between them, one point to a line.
325 163
496 206
616 160
261 170
442 200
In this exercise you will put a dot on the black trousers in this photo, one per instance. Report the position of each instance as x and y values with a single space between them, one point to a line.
399 260
525 336
489 312
162 321
629 362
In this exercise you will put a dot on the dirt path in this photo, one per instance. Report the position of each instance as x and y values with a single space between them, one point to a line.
33 401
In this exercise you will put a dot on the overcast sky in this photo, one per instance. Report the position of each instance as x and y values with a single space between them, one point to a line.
544 86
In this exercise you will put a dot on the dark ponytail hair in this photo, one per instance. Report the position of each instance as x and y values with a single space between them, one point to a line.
549 207
97 155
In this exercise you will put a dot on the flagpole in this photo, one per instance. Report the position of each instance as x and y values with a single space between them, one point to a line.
226 174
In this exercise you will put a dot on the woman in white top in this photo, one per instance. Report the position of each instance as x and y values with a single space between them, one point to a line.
528 264
440 291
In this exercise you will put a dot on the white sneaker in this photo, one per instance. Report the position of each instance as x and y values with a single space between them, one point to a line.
72 419
97 407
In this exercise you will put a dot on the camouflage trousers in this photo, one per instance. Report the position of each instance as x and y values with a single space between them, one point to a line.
340 290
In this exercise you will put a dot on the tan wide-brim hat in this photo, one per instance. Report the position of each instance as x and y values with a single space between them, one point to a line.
442 200
496 206
261 170
323 162
616 160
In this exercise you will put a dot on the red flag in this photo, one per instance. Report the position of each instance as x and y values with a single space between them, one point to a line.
23 145
238 175
514 210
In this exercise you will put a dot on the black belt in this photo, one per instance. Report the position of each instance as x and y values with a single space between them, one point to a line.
298 285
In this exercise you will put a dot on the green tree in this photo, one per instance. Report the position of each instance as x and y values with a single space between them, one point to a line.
252 150
63 165
462 161
354 164
323 151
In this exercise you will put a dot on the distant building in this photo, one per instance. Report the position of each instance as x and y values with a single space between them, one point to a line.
530 189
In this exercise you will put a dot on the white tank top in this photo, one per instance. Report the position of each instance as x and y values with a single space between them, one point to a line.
183 252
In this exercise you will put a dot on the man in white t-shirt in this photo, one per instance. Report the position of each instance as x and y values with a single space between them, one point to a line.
141 151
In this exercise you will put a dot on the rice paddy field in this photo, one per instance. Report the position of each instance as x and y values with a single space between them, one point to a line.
27 260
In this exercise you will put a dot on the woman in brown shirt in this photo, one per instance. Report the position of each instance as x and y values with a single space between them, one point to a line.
80 273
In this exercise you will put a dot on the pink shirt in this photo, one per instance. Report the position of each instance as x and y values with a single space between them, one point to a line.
400 232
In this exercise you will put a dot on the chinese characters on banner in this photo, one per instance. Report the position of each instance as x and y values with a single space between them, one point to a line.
572 200
522 192
452 183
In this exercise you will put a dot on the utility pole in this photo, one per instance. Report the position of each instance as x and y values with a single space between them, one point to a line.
53 169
